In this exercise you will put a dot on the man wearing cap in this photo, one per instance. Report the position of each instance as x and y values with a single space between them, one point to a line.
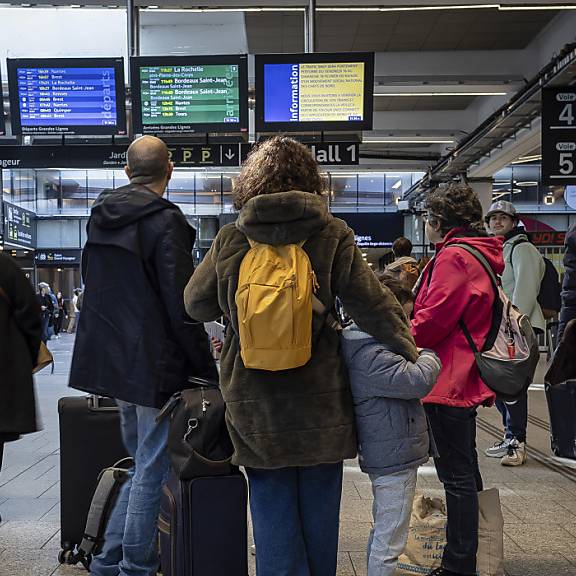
523 273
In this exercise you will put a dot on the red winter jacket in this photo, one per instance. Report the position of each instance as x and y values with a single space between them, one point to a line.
459 287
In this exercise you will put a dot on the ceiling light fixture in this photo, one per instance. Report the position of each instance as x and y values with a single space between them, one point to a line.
404 8
221 9
397 185
502 7
396 94
407 141
525 159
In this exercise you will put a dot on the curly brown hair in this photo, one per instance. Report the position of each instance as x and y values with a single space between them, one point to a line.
455 205
279 164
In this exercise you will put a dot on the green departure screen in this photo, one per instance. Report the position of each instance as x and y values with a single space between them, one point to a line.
179 98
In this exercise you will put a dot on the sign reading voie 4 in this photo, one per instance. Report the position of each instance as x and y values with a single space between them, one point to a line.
559 135
19 226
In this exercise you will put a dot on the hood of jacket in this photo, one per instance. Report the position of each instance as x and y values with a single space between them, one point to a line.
283 217
489 246
115 209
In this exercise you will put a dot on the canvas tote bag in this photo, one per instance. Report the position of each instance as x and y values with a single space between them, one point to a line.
427 536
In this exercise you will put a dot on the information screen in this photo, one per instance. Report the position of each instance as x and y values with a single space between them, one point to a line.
302 92
189 94
67 96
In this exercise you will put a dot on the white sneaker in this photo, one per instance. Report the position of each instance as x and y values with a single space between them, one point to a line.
499 449
516 455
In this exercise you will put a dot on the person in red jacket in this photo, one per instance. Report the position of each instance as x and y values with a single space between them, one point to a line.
455 287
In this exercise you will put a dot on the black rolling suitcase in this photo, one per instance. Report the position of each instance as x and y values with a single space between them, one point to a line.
561 400
203 526
90 440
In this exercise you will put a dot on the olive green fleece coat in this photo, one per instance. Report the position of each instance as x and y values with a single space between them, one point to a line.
304 416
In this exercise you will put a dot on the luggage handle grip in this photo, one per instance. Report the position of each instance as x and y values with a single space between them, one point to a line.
95 404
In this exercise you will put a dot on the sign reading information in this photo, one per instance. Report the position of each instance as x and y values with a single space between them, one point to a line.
559 136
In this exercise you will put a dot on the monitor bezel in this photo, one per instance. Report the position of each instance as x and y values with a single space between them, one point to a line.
78 130
2 117
317 57
138 126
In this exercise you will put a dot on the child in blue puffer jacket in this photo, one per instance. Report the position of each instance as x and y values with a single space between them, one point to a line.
392 429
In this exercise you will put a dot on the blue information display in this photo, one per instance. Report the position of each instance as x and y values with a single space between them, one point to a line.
80 99
308 92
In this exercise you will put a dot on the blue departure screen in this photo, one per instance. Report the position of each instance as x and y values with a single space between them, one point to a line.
52 100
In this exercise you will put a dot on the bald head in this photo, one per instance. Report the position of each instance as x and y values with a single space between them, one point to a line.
148 162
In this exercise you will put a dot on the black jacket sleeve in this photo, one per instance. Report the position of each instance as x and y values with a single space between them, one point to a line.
24 305
174 266
568 310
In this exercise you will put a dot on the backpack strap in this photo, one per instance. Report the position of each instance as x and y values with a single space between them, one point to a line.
523 241
493 280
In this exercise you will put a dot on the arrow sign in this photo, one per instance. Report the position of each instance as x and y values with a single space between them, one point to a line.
230 154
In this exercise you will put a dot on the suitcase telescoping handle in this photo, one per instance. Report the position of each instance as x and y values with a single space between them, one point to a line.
95 403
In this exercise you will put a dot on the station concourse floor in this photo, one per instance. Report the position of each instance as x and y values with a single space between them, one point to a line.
538 499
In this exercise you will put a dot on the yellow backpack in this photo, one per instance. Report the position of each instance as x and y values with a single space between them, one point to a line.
275 298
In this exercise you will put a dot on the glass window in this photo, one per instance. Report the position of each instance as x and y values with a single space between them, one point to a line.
371 189
397 183
525 182
343 189
181 188
502 185
48 192
208 189
98 181
74 187
227 196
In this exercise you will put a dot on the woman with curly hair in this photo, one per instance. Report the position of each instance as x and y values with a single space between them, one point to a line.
292 429
456 294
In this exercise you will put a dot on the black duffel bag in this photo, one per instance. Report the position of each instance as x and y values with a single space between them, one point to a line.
198 439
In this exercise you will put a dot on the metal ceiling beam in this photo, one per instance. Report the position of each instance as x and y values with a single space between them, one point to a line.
517 114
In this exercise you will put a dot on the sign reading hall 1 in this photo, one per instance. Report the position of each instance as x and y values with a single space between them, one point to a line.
559 136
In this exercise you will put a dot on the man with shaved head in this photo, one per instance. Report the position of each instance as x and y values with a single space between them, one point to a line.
135 342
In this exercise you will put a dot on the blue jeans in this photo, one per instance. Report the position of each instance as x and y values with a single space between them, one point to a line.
515 417
131 539
392 507
295 518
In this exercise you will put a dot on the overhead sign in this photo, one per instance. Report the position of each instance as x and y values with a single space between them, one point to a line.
548 238
195 155
559 135
48 258
19 226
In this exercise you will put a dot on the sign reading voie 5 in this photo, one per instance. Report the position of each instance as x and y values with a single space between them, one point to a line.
559 135
19 226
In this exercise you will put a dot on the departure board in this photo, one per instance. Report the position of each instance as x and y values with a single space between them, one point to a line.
54 97
302 92
189 94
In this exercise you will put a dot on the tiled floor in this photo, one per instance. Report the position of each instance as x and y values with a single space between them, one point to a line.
539 503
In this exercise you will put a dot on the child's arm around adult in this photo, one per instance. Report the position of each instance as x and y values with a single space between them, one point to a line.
390 375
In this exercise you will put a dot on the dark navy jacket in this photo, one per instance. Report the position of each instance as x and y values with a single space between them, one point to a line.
135 341
568 310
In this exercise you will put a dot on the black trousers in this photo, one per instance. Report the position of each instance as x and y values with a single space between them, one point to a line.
454 431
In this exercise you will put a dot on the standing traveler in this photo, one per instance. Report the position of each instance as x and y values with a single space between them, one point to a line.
292 428
568 311
63 312
521 280
20 335
404 267
455 288
135 342
47 308
392 429
74 312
